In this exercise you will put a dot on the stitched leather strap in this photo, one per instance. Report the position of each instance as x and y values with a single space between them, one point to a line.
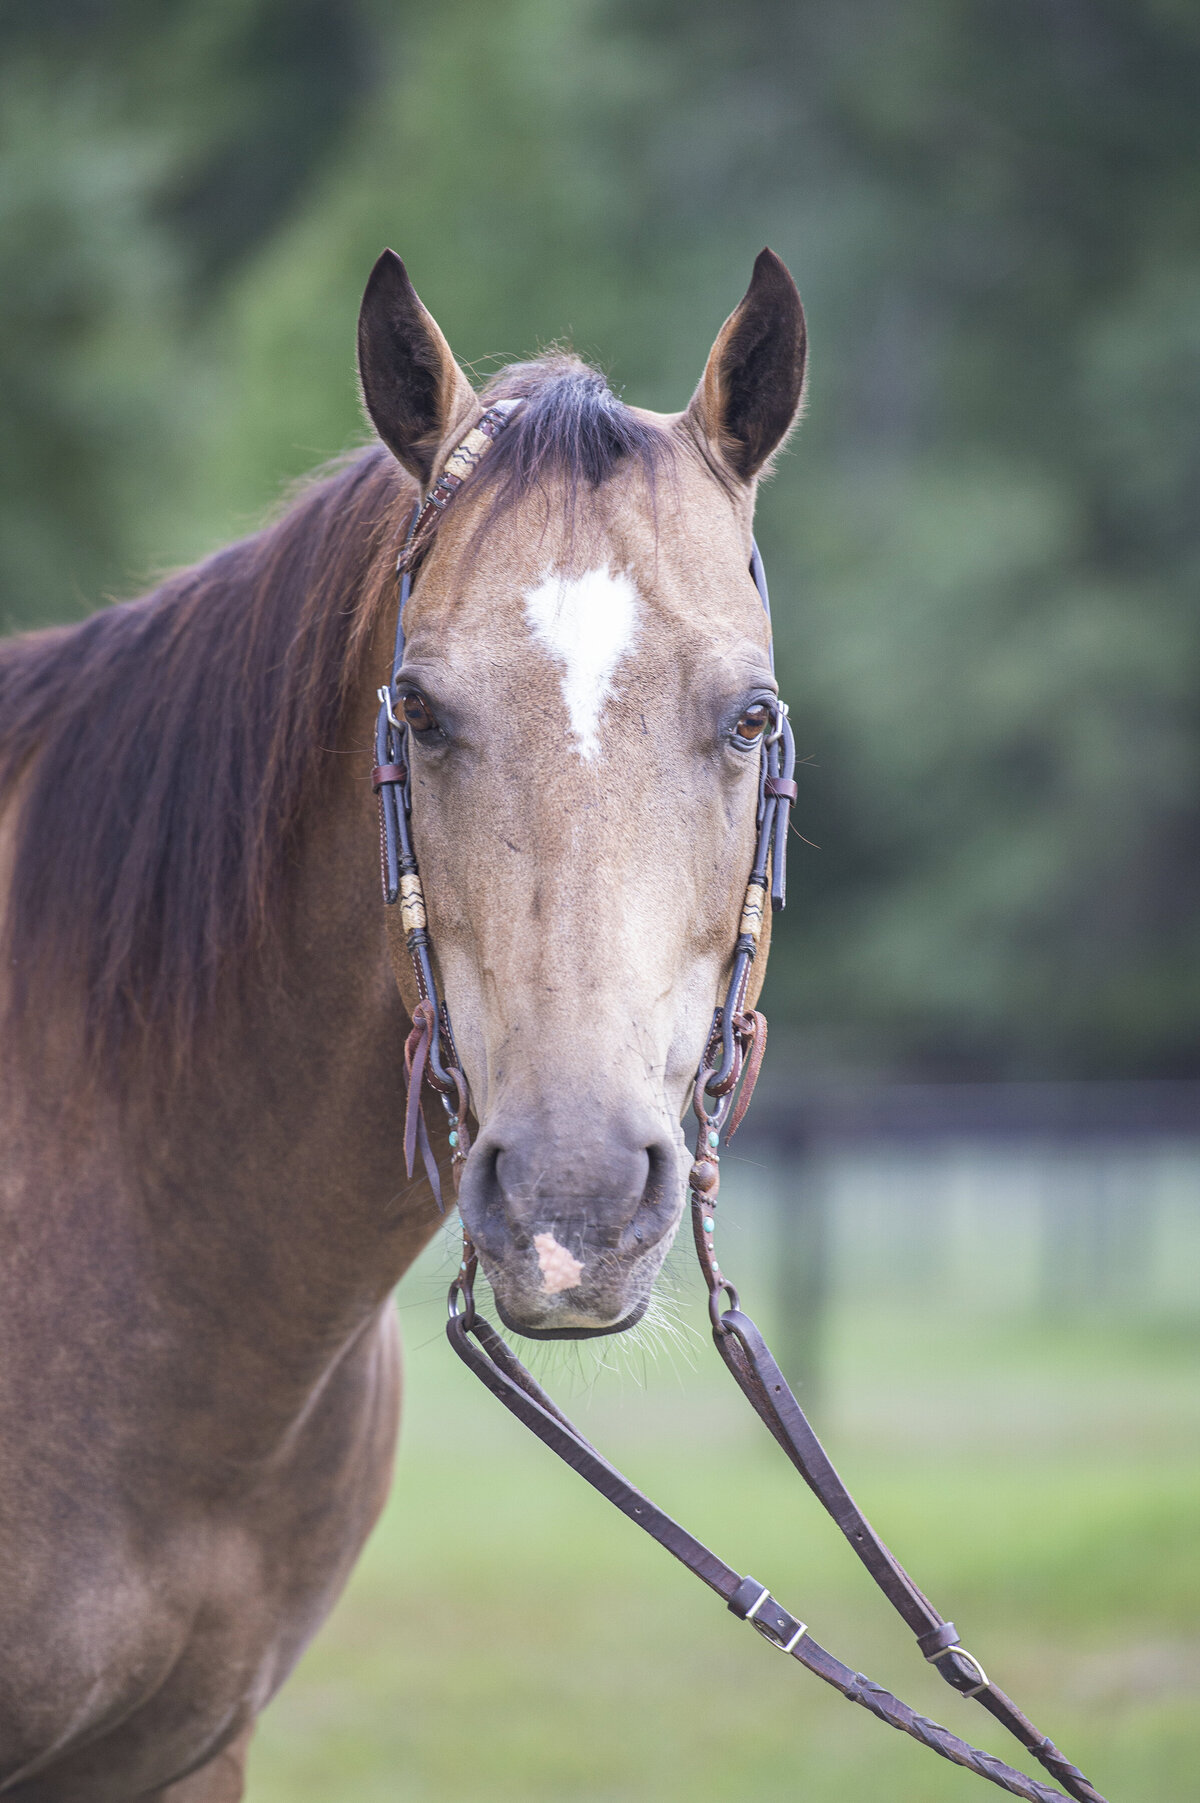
749 1359
493 1362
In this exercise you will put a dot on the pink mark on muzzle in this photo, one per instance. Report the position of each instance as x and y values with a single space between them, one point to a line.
560 1271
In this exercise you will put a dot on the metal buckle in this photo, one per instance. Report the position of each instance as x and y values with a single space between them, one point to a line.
776 732
385 700
761 1627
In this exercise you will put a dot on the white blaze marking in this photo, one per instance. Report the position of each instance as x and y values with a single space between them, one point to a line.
587 623
559 1270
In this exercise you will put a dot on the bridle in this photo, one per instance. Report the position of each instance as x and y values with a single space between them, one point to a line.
724 1081
429 1055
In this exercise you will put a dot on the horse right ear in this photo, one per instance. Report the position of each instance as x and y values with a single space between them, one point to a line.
412 387
753 384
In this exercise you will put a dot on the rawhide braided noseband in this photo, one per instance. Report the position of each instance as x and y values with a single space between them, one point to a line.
732 1056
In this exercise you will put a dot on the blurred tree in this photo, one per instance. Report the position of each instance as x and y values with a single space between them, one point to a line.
87 288
148 148
995 535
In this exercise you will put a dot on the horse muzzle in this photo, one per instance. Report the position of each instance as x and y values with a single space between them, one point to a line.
571 1228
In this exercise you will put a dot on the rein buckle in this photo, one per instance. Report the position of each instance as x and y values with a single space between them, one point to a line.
770 1635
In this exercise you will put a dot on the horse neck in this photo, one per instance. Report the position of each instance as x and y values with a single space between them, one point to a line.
273 1178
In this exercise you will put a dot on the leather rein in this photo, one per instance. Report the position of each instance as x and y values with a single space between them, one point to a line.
724 1082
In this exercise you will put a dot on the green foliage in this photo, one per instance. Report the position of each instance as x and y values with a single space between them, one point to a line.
984 550
85 290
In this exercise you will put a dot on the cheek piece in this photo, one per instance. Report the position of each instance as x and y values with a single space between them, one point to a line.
732 1055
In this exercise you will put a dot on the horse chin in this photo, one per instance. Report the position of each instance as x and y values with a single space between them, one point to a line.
585 1311
528 1332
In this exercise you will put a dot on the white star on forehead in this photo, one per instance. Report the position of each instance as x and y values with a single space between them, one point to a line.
587 624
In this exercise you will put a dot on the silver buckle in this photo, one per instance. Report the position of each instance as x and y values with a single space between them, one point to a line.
761 1628
385 699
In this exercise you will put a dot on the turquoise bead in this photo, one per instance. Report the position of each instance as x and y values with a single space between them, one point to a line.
714 1138
709 1224
454 1139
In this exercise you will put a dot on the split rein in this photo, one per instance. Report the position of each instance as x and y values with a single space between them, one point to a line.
724 1083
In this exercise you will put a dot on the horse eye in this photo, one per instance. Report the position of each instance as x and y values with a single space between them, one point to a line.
753 723
417 713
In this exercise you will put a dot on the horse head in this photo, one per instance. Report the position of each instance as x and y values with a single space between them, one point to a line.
585 687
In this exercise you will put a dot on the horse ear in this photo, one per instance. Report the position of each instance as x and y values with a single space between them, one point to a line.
412 387
749 396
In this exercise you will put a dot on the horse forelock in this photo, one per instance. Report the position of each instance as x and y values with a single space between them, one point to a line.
571 435
571 426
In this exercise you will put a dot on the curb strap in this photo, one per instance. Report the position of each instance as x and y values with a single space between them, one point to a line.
430 1055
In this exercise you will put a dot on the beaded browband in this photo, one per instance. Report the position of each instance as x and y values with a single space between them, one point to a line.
459 467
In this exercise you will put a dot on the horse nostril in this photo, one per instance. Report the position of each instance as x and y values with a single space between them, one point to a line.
661 1162
603 1187
656 1207
481 1197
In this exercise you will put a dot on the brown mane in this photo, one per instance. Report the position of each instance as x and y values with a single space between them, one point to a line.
170 746
167 748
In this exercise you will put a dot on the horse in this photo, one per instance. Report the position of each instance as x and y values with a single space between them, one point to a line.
203 1195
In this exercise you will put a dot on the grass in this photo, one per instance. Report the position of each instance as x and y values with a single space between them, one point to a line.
508 1632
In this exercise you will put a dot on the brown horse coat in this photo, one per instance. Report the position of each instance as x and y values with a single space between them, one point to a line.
202 1200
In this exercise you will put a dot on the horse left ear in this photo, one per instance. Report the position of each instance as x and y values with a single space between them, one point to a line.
413 389
749 396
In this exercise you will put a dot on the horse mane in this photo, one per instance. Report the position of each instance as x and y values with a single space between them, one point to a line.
167 750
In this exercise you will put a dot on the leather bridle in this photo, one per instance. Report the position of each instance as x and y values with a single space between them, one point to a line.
725 1079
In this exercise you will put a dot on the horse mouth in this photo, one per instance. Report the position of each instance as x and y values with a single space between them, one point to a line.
565 1262
571 1333
583 1296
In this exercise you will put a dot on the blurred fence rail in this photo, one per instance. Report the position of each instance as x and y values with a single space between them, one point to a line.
1069 1197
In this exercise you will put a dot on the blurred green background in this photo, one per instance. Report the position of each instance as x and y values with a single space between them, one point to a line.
985 545
984 549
